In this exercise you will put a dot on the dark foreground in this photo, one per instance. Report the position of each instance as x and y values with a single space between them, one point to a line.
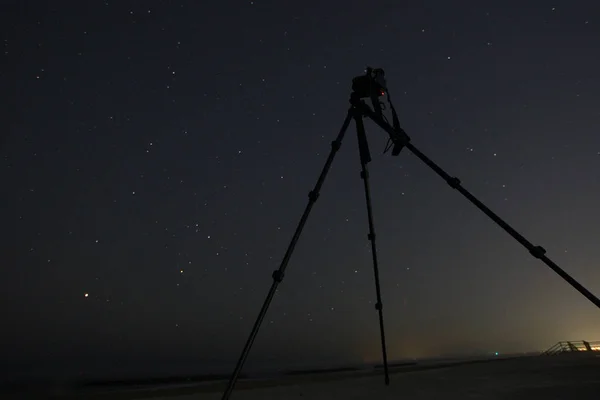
566 376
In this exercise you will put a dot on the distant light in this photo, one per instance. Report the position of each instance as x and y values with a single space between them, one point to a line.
496 353
86 295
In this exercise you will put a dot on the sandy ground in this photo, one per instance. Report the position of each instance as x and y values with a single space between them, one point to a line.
549 378
568 376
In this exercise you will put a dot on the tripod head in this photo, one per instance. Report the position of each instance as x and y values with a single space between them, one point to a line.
373 85
370 85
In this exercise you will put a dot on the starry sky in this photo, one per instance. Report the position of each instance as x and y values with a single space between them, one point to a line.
157 156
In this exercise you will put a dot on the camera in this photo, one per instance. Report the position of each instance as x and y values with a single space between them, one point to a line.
370 85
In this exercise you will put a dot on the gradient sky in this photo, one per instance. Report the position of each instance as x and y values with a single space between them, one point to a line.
157 155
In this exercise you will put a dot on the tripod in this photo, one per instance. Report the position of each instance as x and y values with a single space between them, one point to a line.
372 85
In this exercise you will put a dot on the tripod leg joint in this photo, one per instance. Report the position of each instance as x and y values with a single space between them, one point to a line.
364 174
454 182
277 276
378 306
538 251
371 236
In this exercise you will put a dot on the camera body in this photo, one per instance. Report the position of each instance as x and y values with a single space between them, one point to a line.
370 85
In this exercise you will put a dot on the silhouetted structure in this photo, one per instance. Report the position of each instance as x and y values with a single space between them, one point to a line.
572 346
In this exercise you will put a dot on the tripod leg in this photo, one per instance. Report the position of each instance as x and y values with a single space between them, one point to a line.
536 251
279 273
365 157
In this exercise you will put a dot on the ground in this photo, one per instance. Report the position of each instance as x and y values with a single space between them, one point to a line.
566 376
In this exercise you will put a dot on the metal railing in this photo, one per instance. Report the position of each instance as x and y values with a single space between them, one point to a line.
573 346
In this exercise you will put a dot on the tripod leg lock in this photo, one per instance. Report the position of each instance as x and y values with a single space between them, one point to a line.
454 182
538 251
313 196
378 306
277 276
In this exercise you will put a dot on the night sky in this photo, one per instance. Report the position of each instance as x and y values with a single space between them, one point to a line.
157 156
